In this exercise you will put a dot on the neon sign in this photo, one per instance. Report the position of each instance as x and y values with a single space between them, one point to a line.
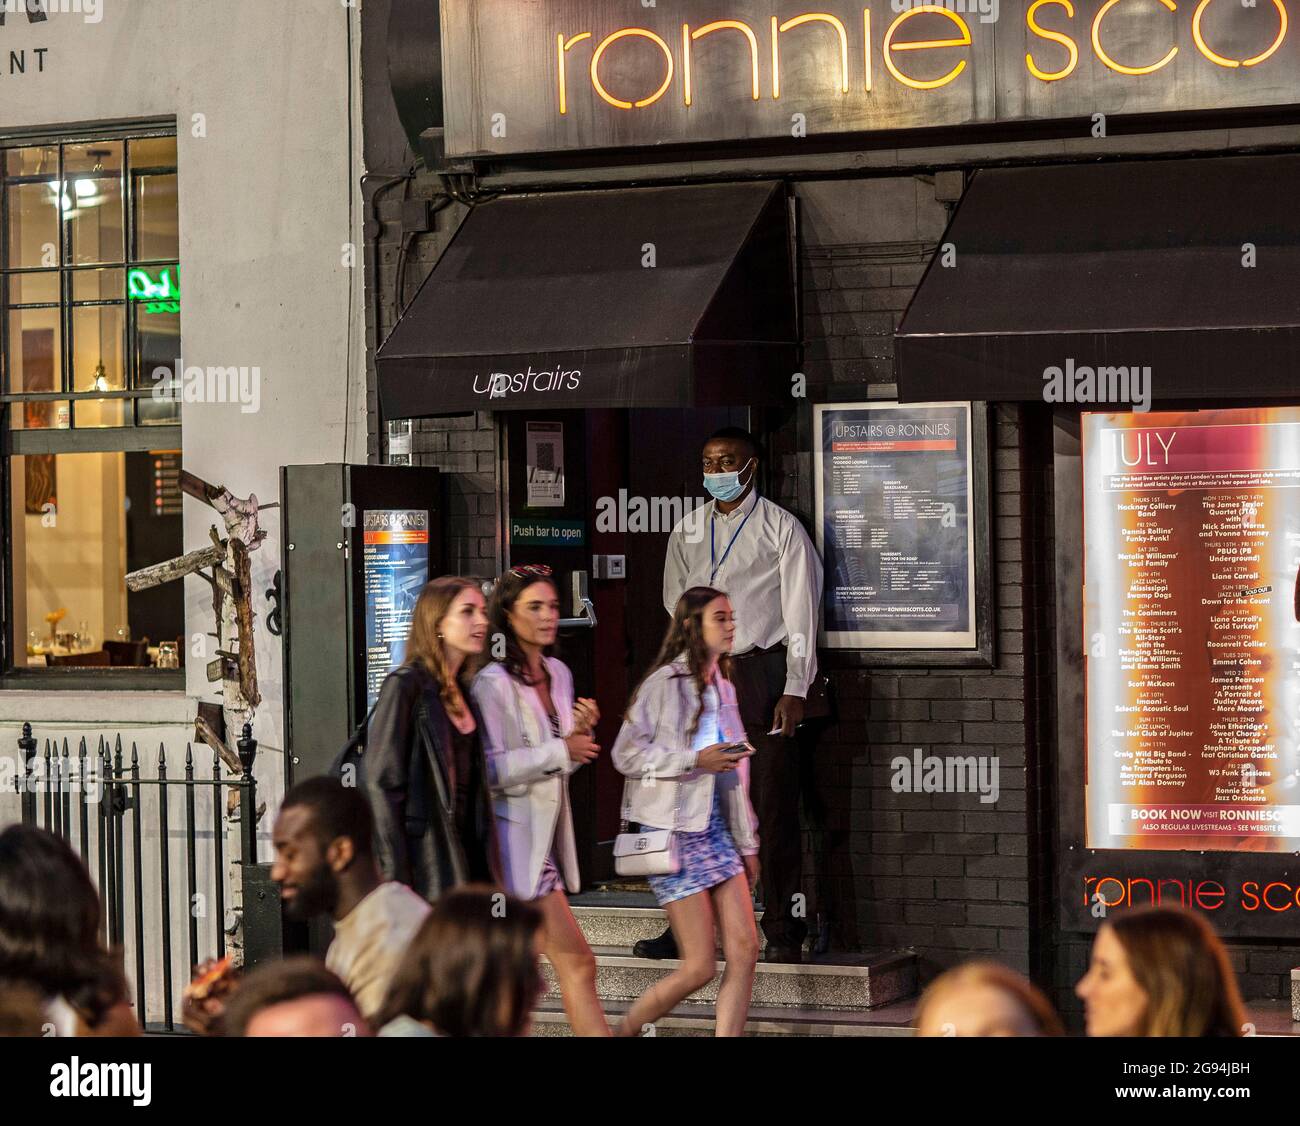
1208 895
160 295
892 48
548 77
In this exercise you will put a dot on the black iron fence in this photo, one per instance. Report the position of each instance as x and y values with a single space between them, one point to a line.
156 847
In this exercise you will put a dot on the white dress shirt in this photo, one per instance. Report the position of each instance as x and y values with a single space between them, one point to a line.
768 568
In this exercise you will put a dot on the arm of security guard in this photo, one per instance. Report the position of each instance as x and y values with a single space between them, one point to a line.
675 570
801 595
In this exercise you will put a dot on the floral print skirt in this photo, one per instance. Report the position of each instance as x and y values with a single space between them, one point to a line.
708 857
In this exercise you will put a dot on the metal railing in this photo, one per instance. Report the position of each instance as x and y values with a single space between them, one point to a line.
144 852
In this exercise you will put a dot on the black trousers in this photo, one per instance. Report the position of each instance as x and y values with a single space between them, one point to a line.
759 678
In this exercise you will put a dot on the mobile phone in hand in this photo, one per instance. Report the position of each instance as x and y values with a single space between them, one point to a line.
744 748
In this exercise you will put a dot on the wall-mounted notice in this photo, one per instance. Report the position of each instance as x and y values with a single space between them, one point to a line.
395 559
1192 538
544 455
894 525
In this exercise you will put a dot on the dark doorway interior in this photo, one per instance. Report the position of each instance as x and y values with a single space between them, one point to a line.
625 473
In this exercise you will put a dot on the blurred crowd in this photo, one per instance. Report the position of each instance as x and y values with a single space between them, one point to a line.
470 965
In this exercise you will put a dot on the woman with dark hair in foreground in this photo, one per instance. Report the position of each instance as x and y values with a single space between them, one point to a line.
49 936
536 734
471 969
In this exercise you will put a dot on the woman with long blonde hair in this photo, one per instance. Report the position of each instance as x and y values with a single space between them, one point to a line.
1160 971
424 772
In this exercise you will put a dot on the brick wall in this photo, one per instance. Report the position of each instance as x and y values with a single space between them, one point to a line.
942 873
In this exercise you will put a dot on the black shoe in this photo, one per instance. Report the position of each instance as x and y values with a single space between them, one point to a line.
665 946
783 954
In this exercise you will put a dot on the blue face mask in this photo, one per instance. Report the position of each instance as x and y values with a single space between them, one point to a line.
726 486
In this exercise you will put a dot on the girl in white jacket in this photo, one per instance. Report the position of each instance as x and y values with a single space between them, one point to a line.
681 776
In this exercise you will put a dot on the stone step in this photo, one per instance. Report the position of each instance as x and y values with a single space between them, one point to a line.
626 926
857 982
631 918
698 1020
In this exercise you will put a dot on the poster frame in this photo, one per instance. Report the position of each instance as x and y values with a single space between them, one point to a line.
1074 861
367 607
982 654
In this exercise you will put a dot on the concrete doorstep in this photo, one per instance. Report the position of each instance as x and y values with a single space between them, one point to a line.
851 995
697 1019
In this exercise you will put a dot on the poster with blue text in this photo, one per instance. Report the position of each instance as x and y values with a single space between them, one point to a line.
395 558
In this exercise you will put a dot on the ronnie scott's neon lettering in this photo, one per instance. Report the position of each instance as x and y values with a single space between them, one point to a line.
161 296
819 29
650 65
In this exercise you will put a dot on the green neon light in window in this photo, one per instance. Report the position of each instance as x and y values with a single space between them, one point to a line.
160 295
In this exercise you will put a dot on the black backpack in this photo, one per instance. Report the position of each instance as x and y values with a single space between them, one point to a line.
353 753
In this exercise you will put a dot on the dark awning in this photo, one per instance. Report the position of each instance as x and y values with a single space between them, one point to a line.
646 297
1113 265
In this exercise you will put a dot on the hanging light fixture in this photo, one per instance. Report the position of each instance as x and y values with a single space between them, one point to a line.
99 382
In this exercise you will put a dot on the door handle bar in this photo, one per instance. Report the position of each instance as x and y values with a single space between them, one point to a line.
588 619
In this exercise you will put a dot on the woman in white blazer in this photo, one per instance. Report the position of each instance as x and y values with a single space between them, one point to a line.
535 735
675 749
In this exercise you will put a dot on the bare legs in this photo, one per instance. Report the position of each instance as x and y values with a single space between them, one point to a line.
566 949
735 911
693 920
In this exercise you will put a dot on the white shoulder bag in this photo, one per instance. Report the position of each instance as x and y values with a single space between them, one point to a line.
653 852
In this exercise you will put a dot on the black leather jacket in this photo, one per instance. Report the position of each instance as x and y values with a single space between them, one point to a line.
406 780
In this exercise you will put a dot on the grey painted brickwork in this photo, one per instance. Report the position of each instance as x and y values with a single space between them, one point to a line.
463 447
942 873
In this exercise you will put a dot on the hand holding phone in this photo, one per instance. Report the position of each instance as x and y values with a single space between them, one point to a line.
719 758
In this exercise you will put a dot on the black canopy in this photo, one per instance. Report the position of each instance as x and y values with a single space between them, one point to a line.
1112 265
646 297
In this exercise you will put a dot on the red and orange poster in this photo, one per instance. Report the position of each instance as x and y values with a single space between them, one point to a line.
1192 644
